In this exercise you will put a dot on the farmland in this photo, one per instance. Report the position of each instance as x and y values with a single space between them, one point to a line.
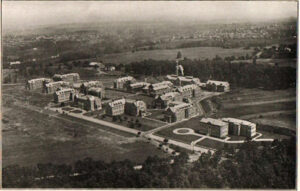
168 54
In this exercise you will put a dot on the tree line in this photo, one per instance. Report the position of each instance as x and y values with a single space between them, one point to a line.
252 165
237 74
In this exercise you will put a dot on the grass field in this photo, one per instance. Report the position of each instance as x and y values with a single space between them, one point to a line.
255 101
168 132
283 120
31 136
114 94
209 143
170 54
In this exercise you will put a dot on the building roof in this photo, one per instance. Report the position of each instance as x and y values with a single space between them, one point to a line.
139 84
212 121
57 83
64 90
39 79
187 88
178 106
95 89
92 83
169 95
124 79
137 103
65 75
114 103
224 83
161 85
238 121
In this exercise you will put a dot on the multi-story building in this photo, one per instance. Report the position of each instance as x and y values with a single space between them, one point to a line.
123 82
160 88
164 100
87 102
54 86
97 91
115 107
37 83
64 95
240 127
183 80
213 127
86 85
217 86
189 91
138 86
135 107
71 77
177 111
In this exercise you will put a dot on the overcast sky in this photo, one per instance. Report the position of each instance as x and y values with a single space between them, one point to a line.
19 14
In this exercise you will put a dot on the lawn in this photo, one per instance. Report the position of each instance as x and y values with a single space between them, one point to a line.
114 94
170 54
209 143
168 132
283 120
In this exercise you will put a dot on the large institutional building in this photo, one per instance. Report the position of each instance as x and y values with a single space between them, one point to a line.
122 83
135 107
183 80
96 91
115 107
240 127
87 102
213 127
177 111
160 88
217 86
71 77
189 91
64 95
164 100
37 83
54 86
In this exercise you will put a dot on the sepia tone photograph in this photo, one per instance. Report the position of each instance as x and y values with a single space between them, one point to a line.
149 94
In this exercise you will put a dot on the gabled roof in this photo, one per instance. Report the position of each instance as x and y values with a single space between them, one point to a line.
212 121
238 121
224 83
117 102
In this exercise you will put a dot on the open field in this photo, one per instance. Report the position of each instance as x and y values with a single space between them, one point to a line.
282 120
170 54
31 135
245 102
271 62
114 94
209 143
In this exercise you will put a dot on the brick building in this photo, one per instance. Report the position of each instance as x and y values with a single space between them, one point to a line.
87 102
135 107
162 101
213 127
97 91
64 95
123 82
71 77
37 83
177 111
52 87
115 107
160 88
217 86
240 127
189 91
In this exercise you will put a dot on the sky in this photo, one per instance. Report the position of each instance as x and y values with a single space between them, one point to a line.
23 14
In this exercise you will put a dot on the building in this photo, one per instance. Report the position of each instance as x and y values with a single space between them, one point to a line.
160 88
240 127
110 68
177 111
217 86
14 63
87 102
37 83
138 86
135 107
52 87
64 95
115 107
96 91
213 127
189 91
163 101
71 77
121 83
97 64
86 85
183 80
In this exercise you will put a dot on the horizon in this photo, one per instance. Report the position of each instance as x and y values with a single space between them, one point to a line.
23 15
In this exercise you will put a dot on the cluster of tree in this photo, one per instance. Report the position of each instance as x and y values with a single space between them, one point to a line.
237 74
253 165
283 51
